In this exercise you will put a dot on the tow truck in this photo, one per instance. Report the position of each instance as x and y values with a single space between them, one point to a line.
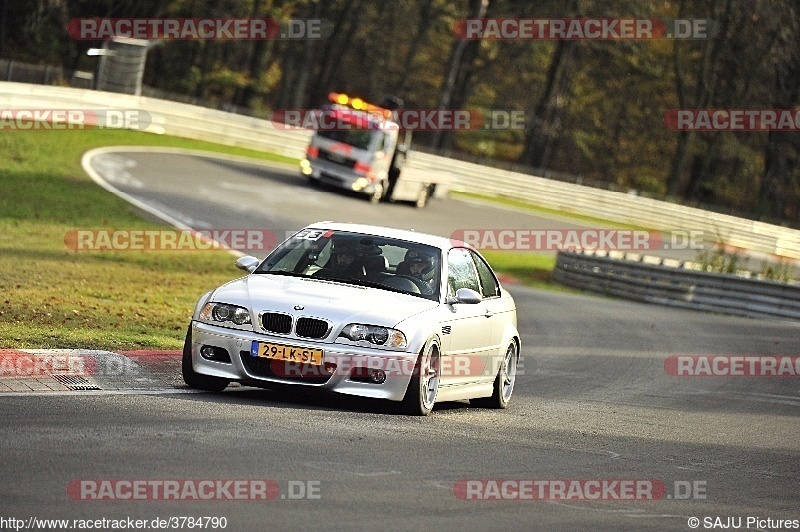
358 146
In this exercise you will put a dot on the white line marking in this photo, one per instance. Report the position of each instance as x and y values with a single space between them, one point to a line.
86 163
155 391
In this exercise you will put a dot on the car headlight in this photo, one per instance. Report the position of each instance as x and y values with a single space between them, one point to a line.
222 312
375 335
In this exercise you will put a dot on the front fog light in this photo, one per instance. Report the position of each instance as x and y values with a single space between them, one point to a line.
207 352
218 354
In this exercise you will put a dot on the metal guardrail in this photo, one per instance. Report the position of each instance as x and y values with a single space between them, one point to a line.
226 128
678 287
172 118
766 239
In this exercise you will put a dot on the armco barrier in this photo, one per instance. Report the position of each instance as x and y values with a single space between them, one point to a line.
752 235
172 118
678 287
226 128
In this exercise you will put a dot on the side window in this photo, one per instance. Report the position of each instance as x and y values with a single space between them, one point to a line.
461 271
489 285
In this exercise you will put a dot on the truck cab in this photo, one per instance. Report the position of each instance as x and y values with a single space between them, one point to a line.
353 147
358 146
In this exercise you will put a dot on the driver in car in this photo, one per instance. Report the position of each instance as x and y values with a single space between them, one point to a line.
422 267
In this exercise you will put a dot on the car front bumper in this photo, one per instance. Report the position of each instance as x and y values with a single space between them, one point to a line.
343 178
353 364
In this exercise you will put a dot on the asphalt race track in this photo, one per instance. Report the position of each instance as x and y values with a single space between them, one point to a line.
593 404
216 193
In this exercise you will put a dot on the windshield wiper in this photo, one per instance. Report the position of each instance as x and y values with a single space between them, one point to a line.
281 272
372 284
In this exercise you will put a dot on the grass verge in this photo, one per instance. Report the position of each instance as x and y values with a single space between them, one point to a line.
53 297
536 209
531 269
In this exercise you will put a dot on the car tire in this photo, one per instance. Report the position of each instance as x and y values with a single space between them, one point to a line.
504 382
192 378
424 385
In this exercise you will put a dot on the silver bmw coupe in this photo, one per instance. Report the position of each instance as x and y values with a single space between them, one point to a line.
361 310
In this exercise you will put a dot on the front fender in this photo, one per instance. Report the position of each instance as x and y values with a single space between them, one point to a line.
419 330
510 334
201 303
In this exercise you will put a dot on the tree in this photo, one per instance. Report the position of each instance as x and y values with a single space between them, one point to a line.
453 93
778 193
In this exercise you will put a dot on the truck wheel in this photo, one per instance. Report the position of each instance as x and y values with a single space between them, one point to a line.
377 194
422 196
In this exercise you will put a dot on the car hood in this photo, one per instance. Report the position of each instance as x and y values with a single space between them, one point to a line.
336 302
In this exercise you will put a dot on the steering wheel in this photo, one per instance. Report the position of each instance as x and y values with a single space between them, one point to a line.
414 280
403 282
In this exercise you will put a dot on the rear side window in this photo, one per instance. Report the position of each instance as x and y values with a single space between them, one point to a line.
489 285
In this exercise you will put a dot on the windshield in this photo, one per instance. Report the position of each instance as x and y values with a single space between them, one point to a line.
358 138
366 260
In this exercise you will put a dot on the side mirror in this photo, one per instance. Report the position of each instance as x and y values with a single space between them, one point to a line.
247 263
468 296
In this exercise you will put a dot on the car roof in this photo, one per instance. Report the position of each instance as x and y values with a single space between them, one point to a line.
390 232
